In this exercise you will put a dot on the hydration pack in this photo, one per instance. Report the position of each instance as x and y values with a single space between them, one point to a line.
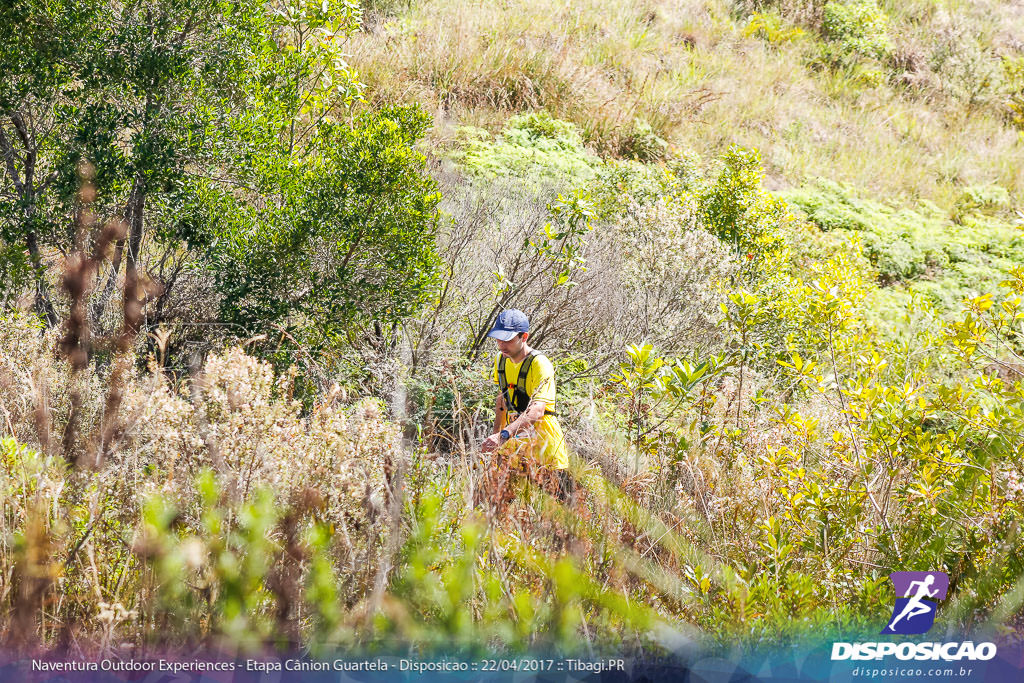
516 398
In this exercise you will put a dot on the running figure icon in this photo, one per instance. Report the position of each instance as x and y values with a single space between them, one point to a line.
916 605
917 596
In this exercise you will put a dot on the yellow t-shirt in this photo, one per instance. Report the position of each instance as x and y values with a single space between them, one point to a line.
547 444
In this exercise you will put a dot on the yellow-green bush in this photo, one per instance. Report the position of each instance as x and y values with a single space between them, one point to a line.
857 26
772 28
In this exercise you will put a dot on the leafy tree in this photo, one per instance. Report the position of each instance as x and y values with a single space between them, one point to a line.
169 77
42 48
138 91
221 135
352 237
738 210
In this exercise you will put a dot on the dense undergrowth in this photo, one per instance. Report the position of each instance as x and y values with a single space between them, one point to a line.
759 485
773 397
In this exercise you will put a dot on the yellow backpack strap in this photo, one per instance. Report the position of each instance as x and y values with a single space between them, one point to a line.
524 371
503 382
520 399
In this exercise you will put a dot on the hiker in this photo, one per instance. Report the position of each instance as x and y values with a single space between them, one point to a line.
524 413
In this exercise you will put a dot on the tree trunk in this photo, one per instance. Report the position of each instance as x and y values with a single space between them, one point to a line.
43 306
132 284
133 217
24 185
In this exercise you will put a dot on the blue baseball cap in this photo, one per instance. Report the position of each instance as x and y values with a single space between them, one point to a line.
509 324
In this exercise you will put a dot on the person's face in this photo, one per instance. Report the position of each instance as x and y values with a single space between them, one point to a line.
512 347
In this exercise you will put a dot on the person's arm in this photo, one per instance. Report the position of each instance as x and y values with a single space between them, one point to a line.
495 440
540 396
533 413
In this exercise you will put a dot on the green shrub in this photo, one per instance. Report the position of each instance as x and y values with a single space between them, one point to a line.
241 573
619 184
966 67
533 144
642 143
856 26
15 272
738 210
980 198
685 168
924 248
467 588
1013 78
542 125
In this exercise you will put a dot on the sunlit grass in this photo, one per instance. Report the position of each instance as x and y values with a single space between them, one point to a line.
687 70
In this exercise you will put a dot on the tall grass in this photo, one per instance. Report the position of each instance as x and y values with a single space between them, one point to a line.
762 495
756 482
686 70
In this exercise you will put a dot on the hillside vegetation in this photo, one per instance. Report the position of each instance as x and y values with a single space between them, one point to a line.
905 100
251 252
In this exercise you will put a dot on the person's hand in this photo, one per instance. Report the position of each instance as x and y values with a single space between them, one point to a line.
491 443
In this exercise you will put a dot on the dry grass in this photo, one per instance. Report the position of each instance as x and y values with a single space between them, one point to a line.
72 537
687 69
600 65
